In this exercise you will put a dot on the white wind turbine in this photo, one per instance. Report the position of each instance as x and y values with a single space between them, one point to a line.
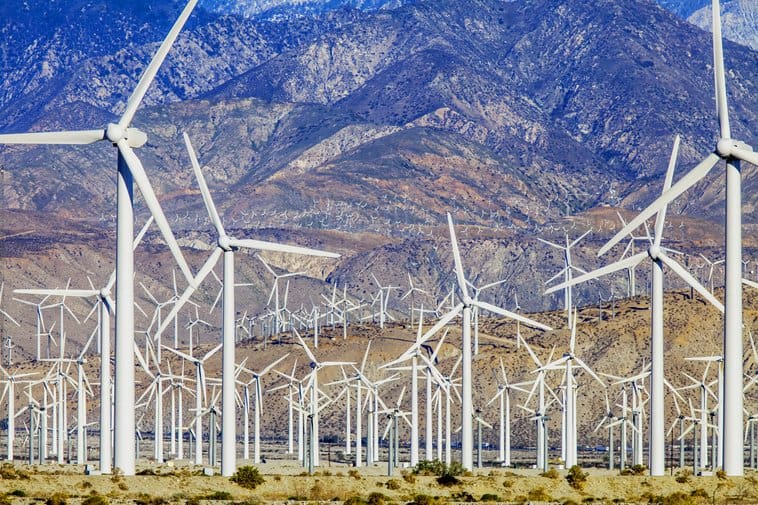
274 294
567 272
106 307
504 390
566 363
258 404
200 394
130 170
5 314
711 268
658 257
227 246
315 406
464 308
732 151
10 390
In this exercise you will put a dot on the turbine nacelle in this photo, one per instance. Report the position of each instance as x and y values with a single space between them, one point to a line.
135 137
729 148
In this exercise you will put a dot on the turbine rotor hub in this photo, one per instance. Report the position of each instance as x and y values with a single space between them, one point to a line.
654 251
114 132
224 242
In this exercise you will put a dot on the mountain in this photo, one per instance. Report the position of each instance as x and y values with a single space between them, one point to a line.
293 8
738 19
374 124
683 8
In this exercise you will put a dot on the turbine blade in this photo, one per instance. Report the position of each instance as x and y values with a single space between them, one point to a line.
72 137
140 178
718 72
457 259
271 246
201 275
661 217
745 155
608 269
75 293
686 182
149 74
689 279
209 205
511 315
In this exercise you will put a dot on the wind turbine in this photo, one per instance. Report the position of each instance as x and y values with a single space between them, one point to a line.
657 257
316 365
567 272
5 314
733 152
504 390
256 377
106 307
566 362
464 307
130 170
10 390
227 246
200 393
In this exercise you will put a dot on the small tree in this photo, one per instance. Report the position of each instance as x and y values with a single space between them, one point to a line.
247 477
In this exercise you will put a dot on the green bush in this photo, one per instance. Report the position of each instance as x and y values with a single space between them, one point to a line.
427 467
425 499
247 477
576 477
490 497
18 492
219 495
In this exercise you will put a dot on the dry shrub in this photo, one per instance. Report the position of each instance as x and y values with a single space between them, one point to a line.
8 471
576 477
425 499
95 499
393 484
683 476
376 498
57 499
317 492
355 500
408 477
552 473
354 474
539 494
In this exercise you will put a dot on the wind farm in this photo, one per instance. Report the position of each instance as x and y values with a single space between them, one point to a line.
413 303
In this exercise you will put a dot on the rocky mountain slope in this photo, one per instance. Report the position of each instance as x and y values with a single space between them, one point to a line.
361 129
738 19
